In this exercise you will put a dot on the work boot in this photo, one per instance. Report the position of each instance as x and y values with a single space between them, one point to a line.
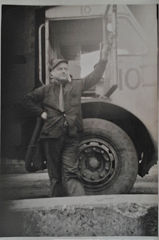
73 187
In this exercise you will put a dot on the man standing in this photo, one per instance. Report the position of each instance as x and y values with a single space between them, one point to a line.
59 105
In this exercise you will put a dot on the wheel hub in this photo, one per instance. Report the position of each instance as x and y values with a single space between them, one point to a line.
97 163
93 162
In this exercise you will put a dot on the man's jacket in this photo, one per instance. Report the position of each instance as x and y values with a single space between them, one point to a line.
46 98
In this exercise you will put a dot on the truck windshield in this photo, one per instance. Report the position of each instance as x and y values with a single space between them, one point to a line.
88 61
78 41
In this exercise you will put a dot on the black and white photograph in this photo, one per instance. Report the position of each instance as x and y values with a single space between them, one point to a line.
79 119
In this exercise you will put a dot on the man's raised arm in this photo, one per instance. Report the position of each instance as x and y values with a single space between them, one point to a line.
96 75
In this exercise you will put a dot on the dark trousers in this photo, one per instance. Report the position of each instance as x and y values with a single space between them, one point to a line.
62 163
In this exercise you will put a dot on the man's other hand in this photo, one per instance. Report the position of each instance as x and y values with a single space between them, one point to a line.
44 115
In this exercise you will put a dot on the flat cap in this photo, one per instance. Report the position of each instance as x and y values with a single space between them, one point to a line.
54 63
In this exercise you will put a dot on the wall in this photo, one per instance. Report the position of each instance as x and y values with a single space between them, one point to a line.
18 73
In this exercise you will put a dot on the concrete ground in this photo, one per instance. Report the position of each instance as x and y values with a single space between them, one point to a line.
105 215
36 185
32 213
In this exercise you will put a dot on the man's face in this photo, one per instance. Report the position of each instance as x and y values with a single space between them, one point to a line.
61 72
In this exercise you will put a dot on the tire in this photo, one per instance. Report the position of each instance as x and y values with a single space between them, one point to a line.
108 162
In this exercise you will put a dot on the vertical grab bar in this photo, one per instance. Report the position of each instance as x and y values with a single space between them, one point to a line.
104 39
40 53
115 47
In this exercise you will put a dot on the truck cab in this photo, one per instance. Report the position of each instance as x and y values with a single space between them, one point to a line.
119 113
120 130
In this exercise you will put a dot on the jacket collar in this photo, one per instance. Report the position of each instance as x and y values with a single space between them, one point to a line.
67 85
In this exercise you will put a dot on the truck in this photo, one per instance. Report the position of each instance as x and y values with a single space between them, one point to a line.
119 113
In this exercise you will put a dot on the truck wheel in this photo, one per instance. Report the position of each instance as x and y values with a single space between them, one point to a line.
108 162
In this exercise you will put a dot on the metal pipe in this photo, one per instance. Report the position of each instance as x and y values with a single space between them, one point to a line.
115 56
105 39
47 51
40 53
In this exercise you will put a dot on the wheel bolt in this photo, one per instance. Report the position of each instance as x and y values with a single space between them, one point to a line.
102 152
92 178
107 167
84 174
101 175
